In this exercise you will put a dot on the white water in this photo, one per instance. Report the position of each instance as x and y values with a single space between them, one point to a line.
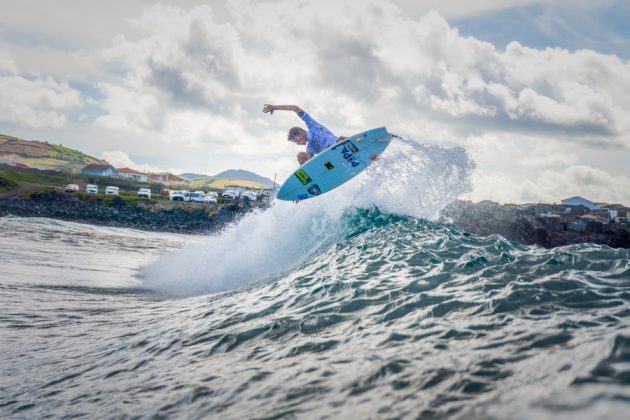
410 179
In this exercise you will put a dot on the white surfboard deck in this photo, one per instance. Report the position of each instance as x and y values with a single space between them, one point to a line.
335 165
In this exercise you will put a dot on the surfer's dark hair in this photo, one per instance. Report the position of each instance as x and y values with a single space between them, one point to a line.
294 132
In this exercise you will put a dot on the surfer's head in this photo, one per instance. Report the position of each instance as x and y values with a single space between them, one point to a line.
297 135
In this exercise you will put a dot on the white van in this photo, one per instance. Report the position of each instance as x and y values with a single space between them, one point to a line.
231 194
250 195
176 195
110 190
197 196
144 193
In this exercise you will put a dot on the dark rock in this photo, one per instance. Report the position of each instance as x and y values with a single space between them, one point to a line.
486 218
63 206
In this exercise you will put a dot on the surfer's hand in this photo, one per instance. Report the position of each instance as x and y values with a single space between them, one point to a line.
302 157
268 108
341 138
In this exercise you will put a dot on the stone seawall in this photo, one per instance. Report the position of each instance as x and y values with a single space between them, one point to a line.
118 213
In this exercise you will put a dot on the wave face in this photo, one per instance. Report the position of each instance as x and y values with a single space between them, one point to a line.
411 179
360 305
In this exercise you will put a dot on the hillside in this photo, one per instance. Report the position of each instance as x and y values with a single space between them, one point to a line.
38 154
190 175
241 174
231 177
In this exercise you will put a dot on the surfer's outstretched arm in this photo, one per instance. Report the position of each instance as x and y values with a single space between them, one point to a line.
270 108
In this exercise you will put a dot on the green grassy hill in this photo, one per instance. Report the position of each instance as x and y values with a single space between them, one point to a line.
38 154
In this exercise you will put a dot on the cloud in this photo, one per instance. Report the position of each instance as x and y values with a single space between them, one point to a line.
37 103
34 102
120 159
192 78
329 56
553 186
7 65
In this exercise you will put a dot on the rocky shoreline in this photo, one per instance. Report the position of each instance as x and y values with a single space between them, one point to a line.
523 226
116 213
189 218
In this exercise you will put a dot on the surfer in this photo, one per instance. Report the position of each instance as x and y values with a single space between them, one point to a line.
317 139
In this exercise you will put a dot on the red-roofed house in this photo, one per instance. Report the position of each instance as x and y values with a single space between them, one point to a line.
133 174
167 179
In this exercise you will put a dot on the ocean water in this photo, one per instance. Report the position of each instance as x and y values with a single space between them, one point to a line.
354 305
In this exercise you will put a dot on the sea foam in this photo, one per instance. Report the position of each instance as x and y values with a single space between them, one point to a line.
410 179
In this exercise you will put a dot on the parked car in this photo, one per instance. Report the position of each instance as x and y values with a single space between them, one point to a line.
197 196
72 188
250 195
110 190
212 193
177 195
166 192
91 189
144 193
210 199
231 194
180 195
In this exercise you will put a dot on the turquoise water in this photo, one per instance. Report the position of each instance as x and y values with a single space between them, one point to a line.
395 317
352 306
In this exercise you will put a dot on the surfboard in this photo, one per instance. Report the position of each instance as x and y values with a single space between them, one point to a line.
335 166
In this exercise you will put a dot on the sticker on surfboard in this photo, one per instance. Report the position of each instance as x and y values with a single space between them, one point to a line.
303 177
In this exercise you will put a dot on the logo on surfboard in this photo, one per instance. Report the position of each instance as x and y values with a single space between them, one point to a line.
347 151
303 177
314 189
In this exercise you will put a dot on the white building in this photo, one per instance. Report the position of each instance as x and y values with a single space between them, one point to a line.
133 174
580 201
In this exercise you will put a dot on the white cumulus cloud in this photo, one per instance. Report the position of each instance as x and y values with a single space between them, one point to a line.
34 102
193 77
120 159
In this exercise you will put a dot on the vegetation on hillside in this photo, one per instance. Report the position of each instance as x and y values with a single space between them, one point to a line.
39 154
10 179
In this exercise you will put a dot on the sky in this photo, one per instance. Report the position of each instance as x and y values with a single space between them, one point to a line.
537 92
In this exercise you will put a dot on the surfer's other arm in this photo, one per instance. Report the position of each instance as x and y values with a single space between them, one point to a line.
270 108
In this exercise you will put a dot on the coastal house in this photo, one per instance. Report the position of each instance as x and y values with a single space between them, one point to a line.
572 212
133 174
543 208
604 214
167 179
579 201
623 212
99 170
579 225
550 221
595 224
